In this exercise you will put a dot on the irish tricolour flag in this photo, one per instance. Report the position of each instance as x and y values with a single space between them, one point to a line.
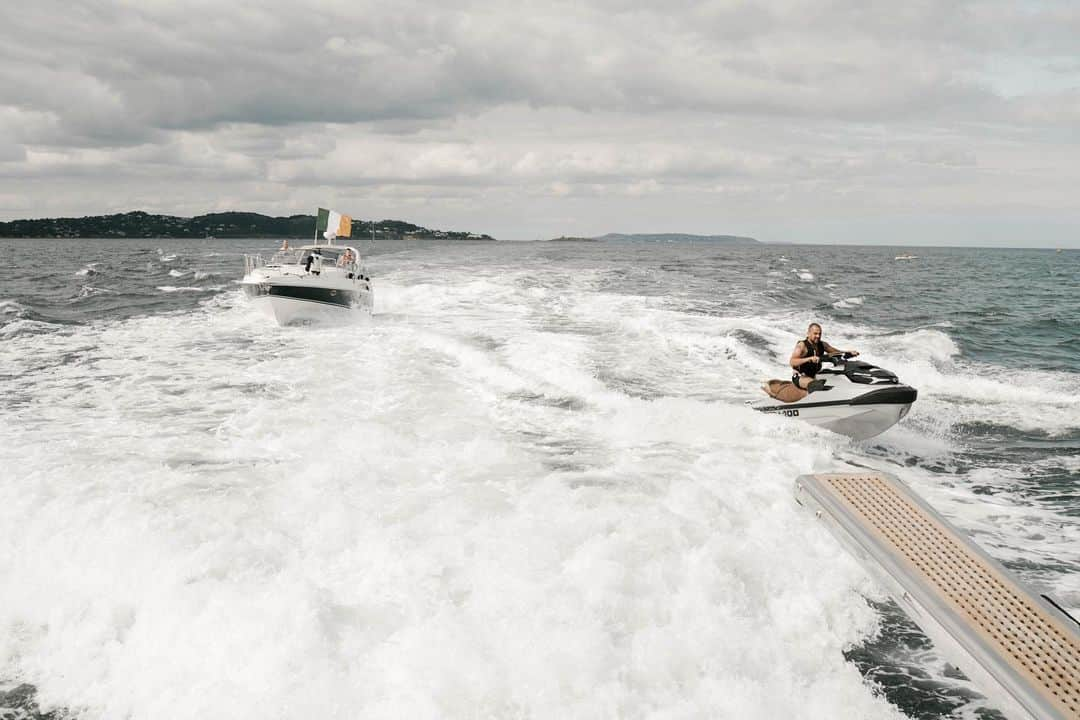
333 224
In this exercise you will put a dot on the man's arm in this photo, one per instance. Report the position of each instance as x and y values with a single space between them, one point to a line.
796 360
833 351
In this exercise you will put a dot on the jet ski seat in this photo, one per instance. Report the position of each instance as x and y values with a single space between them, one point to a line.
783 390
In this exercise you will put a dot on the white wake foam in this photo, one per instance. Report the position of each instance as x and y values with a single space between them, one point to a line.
848 303
504 495
175 288
10 308
457 508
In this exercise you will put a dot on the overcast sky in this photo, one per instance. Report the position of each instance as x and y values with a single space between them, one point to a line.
861 121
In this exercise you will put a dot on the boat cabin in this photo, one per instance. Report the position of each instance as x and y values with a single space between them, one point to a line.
321 257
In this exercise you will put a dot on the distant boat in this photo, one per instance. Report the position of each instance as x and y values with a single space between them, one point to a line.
321 281
905 256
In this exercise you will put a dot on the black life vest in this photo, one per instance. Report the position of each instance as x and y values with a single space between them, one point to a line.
809 350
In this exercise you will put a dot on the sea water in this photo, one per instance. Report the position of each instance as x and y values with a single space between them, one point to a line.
528 486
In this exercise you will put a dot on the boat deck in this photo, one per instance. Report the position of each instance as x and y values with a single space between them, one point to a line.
1023 651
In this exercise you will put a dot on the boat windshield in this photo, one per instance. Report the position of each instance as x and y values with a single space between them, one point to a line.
286 257
329 255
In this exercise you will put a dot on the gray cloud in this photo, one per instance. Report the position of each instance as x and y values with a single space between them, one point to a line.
615 108
119 72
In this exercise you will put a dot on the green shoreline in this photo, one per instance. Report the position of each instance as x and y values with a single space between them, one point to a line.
140 224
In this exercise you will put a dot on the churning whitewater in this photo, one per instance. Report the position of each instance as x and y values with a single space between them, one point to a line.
527 486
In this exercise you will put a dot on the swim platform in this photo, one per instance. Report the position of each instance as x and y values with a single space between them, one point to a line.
1021 649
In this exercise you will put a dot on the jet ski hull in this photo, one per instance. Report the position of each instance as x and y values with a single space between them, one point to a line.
858 422
859 411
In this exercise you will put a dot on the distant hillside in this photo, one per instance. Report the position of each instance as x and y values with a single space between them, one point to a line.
221 225
679 237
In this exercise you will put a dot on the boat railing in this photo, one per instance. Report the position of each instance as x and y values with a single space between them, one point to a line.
295 257
251 262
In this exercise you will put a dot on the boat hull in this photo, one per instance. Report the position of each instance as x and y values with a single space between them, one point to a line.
297 304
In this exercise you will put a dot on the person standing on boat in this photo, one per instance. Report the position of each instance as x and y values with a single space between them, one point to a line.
284 244
806 358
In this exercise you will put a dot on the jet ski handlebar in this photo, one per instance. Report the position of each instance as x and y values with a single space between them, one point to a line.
836 358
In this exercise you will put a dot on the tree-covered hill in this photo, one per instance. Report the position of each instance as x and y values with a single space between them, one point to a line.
139 224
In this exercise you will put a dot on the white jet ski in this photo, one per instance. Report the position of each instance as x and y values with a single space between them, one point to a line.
857 399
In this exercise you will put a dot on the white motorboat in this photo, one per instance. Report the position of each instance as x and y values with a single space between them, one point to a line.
311 283
855 398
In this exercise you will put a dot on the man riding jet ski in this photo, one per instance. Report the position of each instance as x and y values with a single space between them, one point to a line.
806 358
853 397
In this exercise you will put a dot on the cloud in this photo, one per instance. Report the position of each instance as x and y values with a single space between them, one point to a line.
720 109
119 72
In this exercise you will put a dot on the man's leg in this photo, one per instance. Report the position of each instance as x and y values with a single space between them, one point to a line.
807 383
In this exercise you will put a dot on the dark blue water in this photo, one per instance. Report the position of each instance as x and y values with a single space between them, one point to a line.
1012 308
